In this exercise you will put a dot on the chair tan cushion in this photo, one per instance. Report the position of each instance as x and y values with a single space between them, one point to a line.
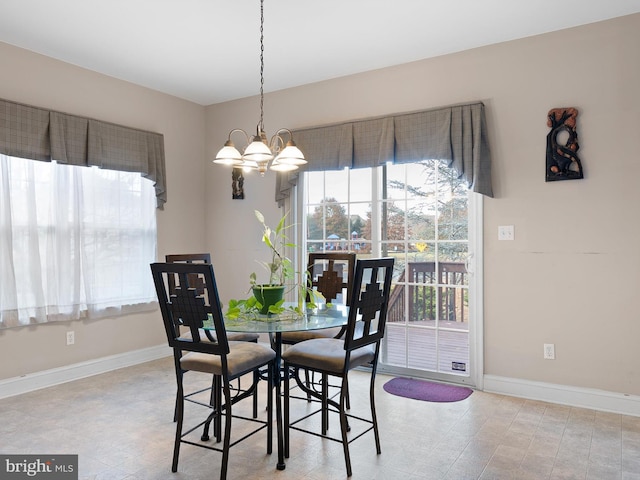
243 357
327 354
295 337
231 336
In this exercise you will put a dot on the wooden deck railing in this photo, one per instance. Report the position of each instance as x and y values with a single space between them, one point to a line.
431 292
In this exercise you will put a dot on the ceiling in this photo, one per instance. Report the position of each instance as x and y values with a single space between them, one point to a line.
208 51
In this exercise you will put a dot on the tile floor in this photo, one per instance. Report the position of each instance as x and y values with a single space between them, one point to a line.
120 425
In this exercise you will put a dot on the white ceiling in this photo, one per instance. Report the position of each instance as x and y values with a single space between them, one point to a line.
207 51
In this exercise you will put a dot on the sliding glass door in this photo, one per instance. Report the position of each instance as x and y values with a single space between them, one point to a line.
417 213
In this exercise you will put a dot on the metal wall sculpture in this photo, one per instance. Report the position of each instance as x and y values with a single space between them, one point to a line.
237 184
563 162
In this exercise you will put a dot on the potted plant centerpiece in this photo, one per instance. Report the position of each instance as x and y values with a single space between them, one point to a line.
279 269
269 297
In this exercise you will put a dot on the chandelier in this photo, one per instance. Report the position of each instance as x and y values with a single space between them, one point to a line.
284 156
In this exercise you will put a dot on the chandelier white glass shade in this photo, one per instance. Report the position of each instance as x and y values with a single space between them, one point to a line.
284 156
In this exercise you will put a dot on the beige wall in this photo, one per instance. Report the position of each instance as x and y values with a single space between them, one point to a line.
44 82
569 278
571 275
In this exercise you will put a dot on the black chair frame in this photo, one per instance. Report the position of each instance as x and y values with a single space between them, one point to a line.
198 258
368 304
191 306
329 282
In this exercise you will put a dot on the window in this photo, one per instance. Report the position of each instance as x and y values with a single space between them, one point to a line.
338 209
75 242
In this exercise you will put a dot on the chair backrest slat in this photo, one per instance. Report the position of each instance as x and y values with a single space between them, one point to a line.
369 302
332 273
187 258
192 301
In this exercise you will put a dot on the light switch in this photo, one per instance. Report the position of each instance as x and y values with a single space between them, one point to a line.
506 232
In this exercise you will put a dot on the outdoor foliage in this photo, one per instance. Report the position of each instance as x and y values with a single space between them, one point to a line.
434 208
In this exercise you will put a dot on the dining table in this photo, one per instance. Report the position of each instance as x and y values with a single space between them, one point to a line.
291 319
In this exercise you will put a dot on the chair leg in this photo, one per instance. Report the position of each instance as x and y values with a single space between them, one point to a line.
269 408
256 379
179 375
374 418
344 426
287 377
217 422
213 401
307 382
346 387
227 430
325 403
175 408
179 413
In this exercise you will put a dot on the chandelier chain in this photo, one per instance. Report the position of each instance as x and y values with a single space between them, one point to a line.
259 152
261 65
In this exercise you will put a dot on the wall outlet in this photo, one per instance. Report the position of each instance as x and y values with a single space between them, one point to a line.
506 232
549 351
71 337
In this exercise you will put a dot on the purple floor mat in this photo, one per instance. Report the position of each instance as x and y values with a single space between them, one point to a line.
427 391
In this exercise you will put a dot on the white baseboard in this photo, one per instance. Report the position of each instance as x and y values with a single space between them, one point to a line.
548 392
564 395
55 376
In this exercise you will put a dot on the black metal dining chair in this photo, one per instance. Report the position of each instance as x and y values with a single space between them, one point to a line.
331 275
332 357
202 258
194 304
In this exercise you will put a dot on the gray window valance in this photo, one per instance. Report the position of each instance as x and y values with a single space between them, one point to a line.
456 134
45 135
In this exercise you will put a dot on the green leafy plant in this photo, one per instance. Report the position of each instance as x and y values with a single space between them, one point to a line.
280 273
280 268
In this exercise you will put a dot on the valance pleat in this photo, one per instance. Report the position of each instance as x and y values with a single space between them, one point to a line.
24 131
44 135
423 135
456 134
331 147
69 139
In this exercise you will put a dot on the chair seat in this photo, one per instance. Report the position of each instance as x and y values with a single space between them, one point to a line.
243 357
231 336
327 354
295 337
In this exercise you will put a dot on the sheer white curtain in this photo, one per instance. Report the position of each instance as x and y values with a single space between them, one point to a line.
75 242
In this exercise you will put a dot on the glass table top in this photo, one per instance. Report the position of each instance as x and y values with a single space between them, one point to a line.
289 320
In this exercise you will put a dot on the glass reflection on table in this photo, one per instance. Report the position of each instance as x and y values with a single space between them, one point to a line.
290 320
